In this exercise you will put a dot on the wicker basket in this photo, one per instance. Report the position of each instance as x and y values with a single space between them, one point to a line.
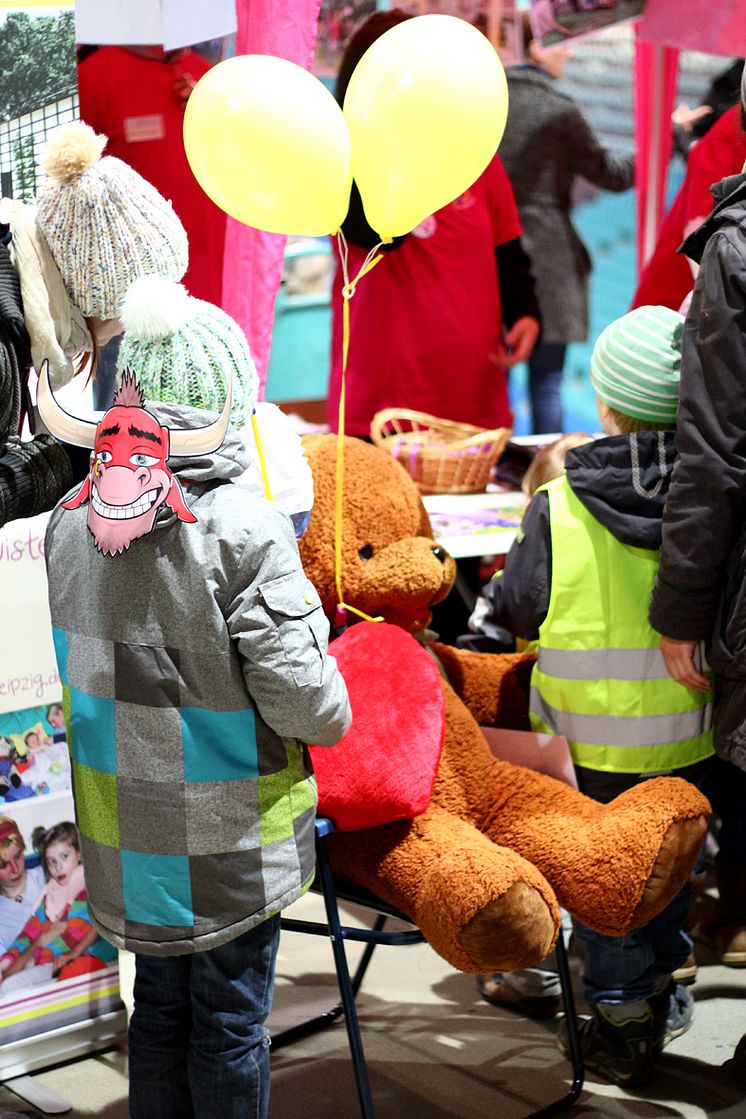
442 456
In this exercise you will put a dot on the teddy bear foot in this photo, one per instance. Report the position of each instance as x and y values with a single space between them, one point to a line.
613 866
480 906
485 912
512 932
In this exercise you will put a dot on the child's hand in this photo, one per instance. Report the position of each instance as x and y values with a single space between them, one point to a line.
62 961
49 932
519 343
679 658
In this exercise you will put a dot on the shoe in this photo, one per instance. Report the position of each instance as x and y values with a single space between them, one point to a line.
619 1051
687 973
728 939
498 993
673 1010
724 926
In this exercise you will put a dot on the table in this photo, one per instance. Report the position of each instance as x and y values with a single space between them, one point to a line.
476 524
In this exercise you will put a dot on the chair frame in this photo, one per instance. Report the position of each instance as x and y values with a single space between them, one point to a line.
349 986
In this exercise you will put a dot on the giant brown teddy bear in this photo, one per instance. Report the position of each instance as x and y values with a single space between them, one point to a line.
482 868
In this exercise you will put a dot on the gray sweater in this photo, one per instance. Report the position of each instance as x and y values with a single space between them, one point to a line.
194 667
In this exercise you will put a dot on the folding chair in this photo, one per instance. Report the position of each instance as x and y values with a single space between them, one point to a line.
350 985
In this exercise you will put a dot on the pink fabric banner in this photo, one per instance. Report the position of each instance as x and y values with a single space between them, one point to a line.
713 26
253 258
656 69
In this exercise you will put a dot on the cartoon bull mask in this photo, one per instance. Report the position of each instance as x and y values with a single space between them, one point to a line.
129 479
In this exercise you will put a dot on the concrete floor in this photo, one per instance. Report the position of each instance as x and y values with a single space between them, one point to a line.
436 1051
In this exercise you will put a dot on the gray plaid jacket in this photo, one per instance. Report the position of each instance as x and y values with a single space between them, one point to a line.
194 668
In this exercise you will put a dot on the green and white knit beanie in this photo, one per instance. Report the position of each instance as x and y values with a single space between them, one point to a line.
104 224
183 349
636 364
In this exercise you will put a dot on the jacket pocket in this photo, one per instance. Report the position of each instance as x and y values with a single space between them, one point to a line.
294 606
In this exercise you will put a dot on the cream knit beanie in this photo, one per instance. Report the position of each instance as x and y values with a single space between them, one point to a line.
182 349
105 225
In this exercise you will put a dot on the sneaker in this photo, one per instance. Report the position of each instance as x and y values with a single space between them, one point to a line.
673 1010
619 1051
498 993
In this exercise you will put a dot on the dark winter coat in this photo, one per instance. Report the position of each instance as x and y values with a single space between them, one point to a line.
547 143
34 474
700 592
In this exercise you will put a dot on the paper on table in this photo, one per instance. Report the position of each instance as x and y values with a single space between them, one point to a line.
544 753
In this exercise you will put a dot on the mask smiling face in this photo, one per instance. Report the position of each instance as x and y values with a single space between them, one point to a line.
129 479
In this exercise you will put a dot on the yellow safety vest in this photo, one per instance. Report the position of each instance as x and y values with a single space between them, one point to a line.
600 679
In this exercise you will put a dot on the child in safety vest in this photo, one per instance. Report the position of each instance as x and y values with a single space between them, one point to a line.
578 579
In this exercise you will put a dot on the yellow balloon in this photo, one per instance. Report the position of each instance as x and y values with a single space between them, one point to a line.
270 146
426 107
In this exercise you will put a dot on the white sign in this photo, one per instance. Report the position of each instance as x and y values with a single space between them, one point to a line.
169 23
28 669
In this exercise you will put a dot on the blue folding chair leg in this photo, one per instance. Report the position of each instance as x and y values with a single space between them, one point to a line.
350 985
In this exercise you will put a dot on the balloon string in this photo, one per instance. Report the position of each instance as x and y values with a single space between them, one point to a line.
262 459
348 290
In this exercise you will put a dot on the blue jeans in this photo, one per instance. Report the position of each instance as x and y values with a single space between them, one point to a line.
197 1045
631 968
544 379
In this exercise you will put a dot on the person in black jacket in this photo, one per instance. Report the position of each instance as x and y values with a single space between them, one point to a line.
36 472
700 594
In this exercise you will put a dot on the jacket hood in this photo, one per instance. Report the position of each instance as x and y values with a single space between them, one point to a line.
224 465
729 199
623 481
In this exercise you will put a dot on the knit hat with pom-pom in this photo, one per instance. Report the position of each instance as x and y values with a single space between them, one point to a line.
104 224
183 350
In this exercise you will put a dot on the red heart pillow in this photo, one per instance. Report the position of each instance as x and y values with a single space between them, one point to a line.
384 767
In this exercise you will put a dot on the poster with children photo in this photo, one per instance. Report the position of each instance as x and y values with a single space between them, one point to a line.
34 759
56 972
46 935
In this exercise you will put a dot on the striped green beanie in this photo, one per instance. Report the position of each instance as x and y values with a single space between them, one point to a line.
184 349
636 364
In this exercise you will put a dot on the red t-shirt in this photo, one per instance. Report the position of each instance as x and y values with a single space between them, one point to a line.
424 322
136 102
667 277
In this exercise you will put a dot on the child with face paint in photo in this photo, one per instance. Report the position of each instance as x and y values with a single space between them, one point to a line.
58 940
65 265
192 649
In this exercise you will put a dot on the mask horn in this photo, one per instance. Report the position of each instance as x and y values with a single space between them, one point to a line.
63 426
202 440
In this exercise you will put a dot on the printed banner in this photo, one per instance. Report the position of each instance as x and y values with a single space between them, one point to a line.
168 23
556 21
55 970
28 670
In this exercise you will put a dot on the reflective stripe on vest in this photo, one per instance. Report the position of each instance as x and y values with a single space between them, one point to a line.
600 679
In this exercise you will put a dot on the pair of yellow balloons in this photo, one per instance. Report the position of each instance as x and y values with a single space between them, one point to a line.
423 115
